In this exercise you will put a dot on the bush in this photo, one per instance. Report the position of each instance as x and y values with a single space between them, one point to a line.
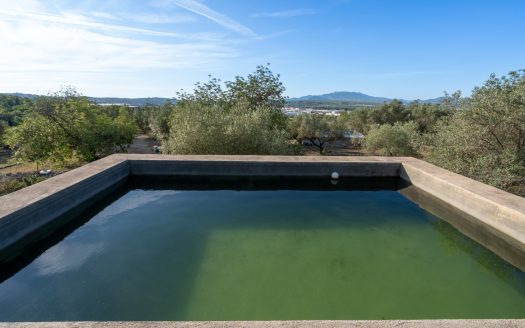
317 129
3 132
196 128
393 140
67 126
244 117
486 139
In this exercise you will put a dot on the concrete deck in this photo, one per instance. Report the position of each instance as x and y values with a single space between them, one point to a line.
27 210
488 215
280 324
310 166
497 215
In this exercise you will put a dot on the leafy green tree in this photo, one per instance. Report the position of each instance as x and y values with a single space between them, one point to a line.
261 89
143 115
390 113
159 121
452 101
35 140
124 130
242 117
393 140
13 109
201 129
210 93
67 126
426 116
485 140
3 131
359 120
318 129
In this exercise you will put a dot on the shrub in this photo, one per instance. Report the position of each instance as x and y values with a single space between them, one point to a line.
66 126
486 139
196 128
393 140
317 129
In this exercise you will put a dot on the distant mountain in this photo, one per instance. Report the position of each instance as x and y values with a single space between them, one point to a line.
343 96
110 100
340 96
21 95
356 97
432 101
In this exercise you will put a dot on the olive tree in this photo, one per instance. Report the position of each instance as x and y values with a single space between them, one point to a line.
238 117
393 140
485 139
317 129
260 89
159 121
201 129
3 129
66 126
35 140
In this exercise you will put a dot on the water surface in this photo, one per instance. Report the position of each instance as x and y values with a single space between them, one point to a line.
263 255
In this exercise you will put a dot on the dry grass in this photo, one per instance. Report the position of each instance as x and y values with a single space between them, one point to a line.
15 176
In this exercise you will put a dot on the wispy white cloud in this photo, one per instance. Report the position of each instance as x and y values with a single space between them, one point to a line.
104 15
172 18
286 13
59 48
104 51
31 6
47 47
79 20
146 18
274 35
203 10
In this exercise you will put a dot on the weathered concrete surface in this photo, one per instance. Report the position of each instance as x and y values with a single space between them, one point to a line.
263 166
468 225
27 210
279 324
497 216
498 212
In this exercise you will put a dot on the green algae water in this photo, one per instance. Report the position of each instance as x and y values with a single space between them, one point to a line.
262 255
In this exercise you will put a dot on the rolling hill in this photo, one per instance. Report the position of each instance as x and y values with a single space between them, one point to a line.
339 98
355 97
109 100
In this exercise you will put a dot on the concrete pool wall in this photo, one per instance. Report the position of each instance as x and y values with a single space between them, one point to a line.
510 323
488 215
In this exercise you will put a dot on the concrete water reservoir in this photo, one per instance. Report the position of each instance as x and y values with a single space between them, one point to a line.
326 234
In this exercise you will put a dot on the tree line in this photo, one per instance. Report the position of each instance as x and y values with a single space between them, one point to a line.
65 127
481 136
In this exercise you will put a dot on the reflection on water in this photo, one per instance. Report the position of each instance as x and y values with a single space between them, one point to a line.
263 255
133 200
67 256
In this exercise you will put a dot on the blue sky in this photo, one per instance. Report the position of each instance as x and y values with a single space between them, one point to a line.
405 49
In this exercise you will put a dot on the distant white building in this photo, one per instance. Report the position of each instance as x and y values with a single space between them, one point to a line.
294 111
